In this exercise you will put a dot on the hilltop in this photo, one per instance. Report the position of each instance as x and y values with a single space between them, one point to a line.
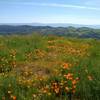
82 32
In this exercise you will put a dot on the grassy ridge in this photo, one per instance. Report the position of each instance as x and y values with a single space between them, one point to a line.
33 67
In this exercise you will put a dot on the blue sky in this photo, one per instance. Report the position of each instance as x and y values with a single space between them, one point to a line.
50 11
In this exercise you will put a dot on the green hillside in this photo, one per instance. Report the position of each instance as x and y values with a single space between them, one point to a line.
79 32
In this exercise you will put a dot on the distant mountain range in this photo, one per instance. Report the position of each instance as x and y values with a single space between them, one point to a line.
53 25
53 29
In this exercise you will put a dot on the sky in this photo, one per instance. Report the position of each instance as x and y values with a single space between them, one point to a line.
85 12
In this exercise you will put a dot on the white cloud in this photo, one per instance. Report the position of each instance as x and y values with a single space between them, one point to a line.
88 5
62 5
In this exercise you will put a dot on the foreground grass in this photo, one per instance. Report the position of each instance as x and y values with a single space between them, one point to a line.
38 67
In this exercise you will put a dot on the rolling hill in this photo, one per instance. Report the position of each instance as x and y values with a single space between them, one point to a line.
83 32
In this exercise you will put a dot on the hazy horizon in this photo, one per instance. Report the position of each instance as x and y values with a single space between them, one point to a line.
39 23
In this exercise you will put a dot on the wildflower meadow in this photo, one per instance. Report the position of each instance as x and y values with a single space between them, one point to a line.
36 67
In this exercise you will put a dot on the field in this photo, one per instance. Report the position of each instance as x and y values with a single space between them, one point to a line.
35 67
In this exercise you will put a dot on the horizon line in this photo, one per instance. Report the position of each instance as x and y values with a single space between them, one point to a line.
47 23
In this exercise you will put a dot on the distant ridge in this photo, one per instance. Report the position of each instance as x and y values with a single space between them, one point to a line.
70 31
53 25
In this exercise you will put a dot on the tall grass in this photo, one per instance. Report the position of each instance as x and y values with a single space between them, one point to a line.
30 64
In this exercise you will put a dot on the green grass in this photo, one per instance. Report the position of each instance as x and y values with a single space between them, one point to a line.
39 60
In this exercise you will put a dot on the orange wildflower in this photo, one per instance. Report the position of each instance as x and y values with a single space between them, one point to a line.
55 87
74 82
74 86
69 76
13 97
57 90
65 66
